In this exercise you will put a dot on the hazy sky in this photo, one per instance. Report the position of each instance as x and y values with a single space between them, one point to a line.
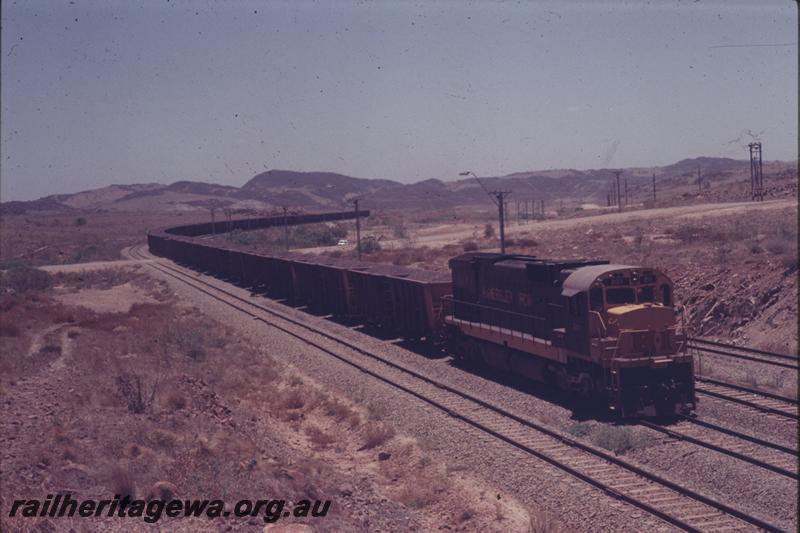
100 92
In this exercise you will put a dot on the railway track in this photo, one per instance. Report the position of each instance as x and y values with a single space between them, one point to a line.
665 499
741 352
772 405
762 453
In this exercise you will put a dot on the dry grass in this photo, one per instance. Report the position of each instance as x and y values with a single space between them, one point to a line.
423 489
122 482
292 399
318 437
8 330
176 401
544 523
211 431
102 278
337 410
376 434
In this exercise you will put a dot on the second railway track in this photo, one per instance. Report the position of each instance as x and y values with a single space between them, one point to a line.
744 353
759 452
772 405
665 499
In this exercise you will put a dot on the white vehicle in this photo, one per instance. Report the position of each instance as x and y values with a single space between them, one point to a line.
342 242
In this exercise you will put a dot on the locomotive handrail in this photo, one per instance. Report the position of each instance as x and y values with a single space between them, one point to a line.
602 322
506 311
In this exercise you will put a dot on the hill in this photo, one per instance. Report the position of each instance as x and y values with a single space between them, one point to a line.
273 189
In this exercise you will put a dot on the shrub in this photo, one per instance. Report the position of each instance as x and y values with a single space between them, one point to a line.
470 246
89 251
526 242
619 439
488 231
421 491
370 245
316 235
132 391
80 221
104 278
8 330
775 246
122 483
176 401
579 430
399 229
293 399
375 435
689 233
191 341
318 437
337 410
789 262
23 278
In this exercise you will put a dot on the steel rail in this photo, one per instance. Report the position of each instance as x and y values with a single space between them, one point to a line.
718 448
758 392
681 490
744 349
739 435
744 357
741 401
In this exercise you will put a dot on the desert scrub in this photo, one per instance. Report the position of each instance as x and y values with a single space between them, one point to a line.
22 278
103 278
579 429
376 434
620 439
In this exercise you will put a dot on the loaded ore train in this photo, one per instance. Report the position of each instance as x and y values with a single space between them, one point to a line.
603 331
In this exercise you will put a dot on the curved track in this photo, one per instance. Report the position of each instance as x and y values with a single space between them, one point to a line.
673 503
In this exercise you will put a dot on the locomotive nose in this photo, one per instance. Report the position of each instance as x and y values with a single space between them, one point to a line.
647 316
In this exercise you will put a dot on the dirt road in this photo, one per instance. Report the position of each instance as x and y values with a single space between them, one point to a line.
440 235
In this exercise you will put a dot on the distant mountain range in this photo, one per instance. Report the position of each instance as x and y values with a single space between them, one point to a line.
327 190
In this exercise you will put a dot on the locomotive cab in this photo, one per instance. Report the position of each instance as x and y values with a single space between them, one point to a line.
629 309
624 318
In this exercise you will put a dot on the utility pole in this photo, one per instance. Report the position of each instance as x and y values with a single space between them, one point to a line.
285 228
619 205
213 224
500 199
358 229
229 215
756 176
699 180
654 189
541 208
626 191
501 202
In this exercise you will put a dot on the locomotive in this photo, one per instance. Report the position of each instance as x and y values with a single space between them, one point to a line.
602 331
606 332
